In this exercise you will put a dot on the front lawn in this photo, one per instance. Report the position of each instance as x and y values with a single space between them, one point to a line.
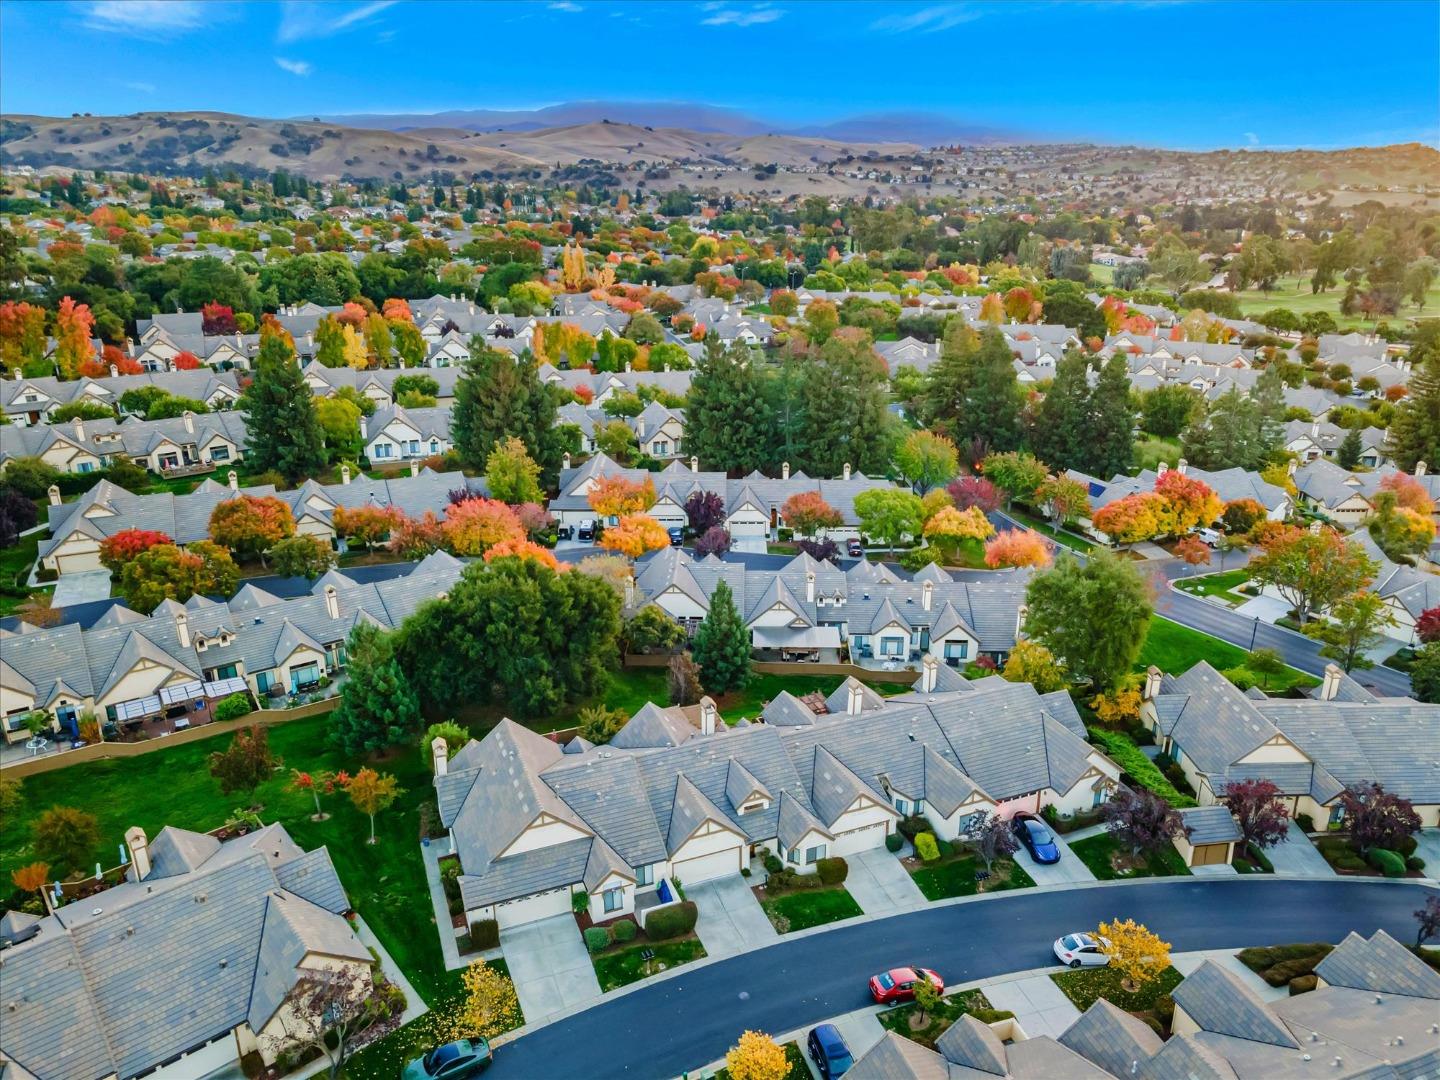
1222 585
1175 649
15 563
620 966
1085 986
904 1019
955 876
804 908
1108 861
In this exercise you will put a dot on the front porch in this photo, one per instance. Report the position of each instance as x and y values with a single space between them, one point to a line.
796 644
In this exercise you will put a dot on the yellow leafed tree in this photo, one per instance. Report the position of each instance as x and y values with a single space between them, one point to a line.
572 268
757 1057
488 1009
353 346
1135 951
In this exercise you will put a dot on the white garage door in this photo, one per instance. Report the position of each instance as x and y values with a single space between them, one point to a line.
753 527
707 867
530 908
864 839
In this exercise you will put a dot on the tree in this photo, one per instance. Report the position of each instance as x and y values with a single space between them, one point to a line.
31 476
414 538
992 836
454 735
22 337
1414 433
31 878
1168 410
1242 515
302 556
1190 503
807 513
635 535
1265 662
1119 707
378 707
1311 570
616 496
927 459
974 491
251 524
284 430
1062 430
1427 921
473 526
372 792
1378 818
1030 662
704 510
1176 264
1092 616
682 679
1017 547
314 784
326 1009
498 396
990 408
1136 517
367 525
168 572
1064 499
1230 432
652 630
713 541
1425 673
729 424
889 514
513 476
721 646
246 763
1258 810
66 837
488 1009
1139 954
757 1057
1400 531
1353 629
927 998
17 514
1016 473
599 724
74 328
118 549
948 529
1348 454
1193 551
339 421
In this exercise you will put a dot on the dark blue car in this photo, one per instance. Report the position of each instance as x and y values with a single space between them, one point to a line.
677 535
1035 835
828 1051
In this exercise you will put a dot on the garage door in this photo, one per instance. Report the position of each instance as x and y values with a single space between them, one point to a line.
1209 855
78 564
530 908
707 867
866 839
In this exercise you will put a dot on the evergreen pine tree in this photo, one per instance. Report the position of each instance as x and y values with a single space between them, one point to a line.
722 644
728 419
1269 397
990 411
378 707
1415 430
1348 454
1062 423
284 432
1227 434
500 396
1112 443
948 381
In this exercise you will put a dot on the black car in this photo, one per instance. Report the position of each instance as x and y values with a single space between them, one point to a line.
1036 837
677 535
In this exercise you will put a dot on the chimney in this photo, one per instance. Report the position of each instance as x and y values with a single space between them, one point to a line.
139 848
440 755
1290 467
189 418
1181 466
79 430
414 466
54 494
927 595
565 461
929 673
344 474
332 602
114 371
234 480
847 470
364 428
708 715
1331 686
639 427
1315 430
1420 468
1152 682
694 464
809 586
1020 614
182 629
630 590
856 700
627 366
784 470
1161 469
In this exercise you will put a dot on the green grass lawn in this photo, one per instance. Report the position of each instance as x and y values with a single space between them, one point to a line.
1222 585
619 967
956 877
15 563
1175 649
1097 851
1292 292
804 908
950 1009
1087 985
1142 771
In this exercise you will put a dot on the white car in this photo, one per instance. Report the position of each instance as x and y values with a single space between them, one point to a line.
1081 950
1211 537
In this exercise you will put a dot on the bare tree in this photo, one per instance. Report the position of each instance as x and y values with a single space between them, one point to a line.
991 836
330 1006
1428 918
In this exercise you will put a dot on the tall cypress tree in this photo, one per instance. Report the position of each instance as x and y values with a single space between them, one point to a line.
728 418
948 381
498 397
284 432
722 644
990 411
1062 423
378 707
1112 417
1415 430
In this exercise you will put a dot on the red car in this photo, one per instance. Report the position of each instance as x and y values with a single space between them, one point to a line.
898 984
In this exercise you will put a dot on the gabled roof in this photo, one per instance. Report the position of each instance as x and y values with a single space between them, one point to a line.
835 788
691 809
796 821
1111 1038
973 1044
653 725
741 785
1381 965
1219 1002
786 710
179 851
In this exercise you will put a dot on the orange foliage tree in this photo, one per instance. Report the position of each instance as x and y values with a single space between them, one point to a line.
74 326
807 513
367 525
185 361
1017 547
474 526
414 538
251 524
523 549
22 334
117 550
1191 502
635 535
616 496
1193 550
1132 519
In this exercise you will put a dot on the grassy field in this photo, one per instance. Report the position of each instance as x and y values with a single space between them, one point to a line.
1175 649
1293 293
1088 985
1097 853
621 967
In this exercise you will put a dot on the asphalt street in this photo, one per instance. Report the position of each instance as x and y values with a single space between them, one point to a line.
691 1018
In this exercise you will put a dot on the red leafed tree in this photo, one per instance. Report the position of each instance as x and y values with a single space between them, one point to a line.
970 491
1378 818
474 526
367 525
1142 821
523 549
185 361
1132 519
414 538
217 318
111 356
1193 550
1428 625
807 513
1017 547
1409 493
1192 502
74 326
117 550
396 308
583 394
1255 804
1019 303
22 334
352 314
705 510
251 524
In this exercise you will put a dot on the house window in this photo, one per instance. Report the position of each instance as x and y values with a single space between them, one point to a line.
382 450
434 446
1337 814
1099 798
793 855
645 875
891 646
814 854
614 899
660 448
220 453
85 466
262 682
957 650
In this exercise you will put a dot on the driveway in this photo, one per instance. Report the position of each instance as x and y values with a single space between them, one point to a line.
880 885
730 919
1041 1007
83 588
1296 855
1428 848
550 967
1068 871
755 545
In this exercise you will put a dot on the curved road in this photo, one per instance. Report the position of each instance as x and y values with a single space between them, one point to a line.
691 1018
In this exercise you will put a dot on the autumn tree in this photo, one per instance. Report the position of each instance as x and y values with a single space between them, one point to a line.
807 513
1017 547
488 1008
74 327
927 460
682 680
31 878
1356 625
992 836
1311 570
120 548
22 338
1030 662
1190 502
1258 810
1377 818
165 571
251 524
1141 821
473 526
372 792
615 496
414 538
1138 953
1193 551
757 1057
326 1010
246 763
704 510
1133 518
65 837
513 476
1064 499
302 556
1119 707
1242 515
634 535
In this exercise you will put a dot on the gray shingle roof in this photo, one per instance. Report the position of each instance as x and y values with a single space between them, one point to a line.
1210 824
1220 1003
1110 1038
969 1042
1381 965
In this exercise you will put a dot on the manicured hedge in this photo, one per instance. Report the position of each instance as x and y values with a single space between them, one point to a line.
597 938
1140 768
1389 863
894 842
926 847
234 707
832 871
625 930
484 933
672 921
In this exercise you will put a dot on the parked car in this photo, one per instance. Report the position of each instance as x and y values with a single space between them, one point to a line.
677 535
854 548
828 1050
585 531
1037 838
457 1060
898 984
1081 950
1210 536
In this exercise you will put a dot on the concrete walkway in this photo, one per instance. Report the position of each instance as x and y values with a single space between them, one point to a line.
449 947
550 968
730 919
82 588
1296 855
1039 1005
880 884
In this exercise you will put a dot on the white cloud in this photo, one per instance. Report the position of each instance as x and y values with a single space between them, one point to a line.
926 20
140 87
295 67
301 20
752 16
1252 139
145 18
565 5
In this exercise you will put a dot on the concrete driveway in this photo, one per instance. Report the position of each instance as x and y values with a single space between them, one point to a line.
1068 871
730 919
1428 848
82 588
881 885
1296 855
550 967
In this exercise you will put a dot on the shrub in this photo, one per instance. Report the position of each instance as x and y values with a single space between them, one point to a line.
1306 822
1164 1009
832 871
1390 863
597 938
992 1016
1406 845
946 848
252 1065
580 902
1283 972
624 930
1303 984
772 863
894 842
1414 862
672 921
484 933
926 847
234 707
1348 861
912 826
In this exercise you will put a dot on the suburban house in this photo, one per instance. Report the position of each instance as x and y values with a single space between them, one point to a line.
603 385
659 431
1348 498
31 401
396 433
679 796
908 352
1371 1016
809 609
1317 439
190 441
126 667
378 384
1310 748
1408 591
182 969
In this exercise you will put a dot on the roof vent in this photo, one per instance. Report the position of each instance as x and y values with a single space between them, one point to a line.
200 898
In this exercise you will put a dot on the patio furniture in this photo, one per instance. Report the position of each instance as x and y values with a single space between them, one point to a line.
37 745
182 723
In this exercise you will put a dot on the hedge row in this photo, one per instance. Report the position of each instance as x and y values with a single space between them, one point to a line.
672 921
1140 768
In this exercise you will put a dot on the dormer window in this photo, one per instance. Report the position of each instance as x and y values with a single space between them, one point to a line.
201 644
750 806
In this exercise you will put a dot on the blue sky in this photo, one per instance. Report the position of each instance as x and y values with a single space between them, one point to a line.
1180 74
